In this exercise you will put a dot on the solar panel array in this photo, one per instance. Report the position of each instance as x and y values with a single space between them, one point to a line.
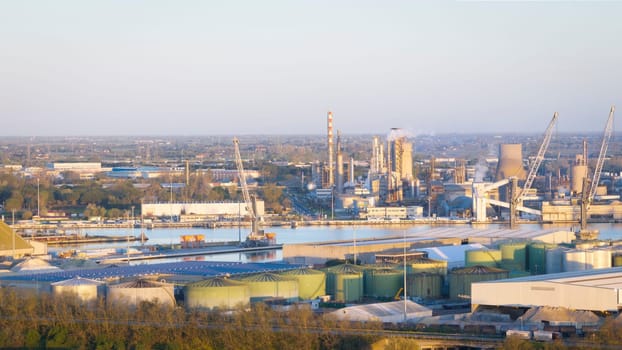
194 268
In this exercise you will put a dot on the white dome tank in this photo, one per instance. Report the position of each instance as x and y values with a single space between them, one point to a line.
134 292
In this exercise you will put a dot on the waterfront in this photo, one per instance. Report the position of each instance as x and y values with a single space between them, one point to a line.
285 235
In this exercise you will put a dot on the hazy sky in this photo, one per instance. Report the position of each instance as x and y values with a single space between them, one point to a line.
254 67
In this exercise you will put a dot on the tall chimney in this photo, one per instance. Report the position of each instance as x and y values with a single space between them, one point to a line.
331 161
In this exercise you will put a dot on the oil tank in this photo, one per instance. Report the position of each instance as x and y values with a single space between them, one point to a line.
485 257
424 285
216 293
134 292
510 162
600 258
269 285
579 260
536 257
577 173
514 254
311 283
85 289
383 283
428 265
345 282
554 260
460 279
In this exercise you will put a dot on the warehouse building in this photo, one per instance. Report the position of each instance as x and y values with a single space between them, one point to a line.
593 290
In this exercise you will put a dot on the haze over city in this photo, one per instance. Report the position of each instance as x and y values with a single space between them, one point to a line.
277 67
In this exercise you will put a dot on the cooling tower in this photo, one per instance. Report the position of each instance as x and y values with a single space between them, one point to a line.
510 162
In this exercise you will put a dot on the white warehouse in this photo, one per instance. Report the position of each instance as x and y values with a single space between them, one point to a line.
594 290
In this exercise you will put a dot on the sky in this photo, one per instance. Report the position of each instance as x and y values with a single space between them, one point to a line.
228 67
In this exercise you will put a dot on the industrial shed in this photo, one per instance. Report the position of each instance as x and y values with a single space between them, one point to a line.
594 290
383 312
12 244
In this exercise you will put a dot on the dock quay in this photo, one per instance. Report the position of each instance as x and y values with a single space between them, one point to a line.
54 240
165 254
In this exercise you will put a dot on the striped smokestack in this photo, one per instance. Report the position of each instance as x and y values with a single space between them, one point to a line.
331 160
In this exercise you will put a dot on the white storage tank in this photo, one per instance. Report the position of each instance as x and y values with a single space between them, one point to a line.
579 260
574 260
554 258
85 289
134 292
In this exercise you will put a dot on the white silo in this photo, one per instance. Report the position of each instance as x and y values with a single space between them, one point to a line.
85 289
134 292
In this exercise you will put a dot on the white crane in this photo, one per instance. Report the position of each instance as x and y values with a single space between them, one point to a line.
515 203
589 189
256 237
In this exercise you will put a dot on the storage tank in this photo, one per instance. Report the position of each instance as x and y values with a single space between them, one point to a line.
460 279
311 283
600 258
383 283
424 285
428 265
269 285
514 254
134 292
216 292
554 260
485 257
536 257
345 282
85 289
617 260
577 173
579 260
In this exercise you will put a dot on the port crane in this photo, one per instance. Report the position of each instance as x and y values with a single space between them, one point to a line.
517 196
257 237
589 187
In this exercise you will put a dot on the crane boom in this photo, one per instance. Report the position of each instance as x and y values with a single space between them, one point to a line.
601 156
546 140
242 175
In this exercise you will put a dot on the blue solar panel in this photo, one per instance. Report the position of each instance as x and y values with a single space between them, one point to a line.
193 268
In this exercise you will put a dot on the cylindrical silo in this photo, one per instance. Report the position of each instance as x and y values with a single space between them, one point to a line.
85 289
553 260
460 279
268 285
311 283
514 254
485 257
428 265
600 258
216 293
575 260
577 174
383 283
345 282
424 285
510 162
134 292
536 257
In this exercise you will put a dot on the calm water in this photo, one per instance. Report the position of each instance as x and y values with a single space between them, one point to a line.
286 235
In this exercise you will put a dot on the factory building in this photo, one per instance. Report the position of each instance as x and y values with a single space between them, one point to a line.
594 290
208 210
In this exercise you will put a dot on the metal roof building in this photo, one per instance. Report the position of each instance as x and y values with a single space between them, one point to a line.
191 268
384 312
595 290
